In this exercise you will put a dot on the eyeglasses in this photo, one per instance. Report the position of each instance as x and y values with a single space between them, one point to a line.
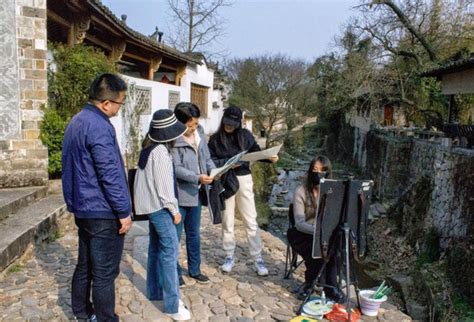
118 103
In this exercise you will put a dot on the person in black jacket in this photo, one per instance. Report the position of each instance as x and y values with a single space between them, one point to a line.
228 141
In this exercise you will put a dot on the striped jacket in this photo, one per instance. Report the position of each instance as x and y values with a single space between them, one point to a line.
154 186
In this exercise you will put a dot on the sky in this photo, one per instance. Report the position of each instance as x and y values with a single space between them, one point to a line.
302 29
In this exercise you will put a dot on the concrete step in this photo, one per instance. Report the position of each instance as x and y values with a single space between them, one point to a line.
31 224
11 200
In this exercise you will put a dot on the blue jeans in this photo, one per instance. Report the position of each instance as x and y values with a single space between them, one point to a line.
191 220
162 279
98 264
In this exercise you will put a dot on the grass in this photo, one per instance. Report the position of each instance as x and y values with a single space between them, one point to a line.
55 236
264 212
463 309
15 269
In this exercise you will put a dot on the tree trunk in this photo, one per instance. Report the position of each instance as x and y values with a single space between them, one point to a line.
405 22
191 26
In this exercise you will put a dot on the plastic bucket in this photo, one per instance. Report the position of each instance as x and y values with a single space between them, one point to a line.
369 306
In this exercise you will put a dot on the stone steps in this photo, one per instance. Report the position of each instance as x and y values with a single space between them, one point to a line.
33 223
11 200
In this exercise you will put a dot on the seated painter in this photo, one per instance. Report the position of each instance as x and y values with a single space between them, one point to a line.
300 237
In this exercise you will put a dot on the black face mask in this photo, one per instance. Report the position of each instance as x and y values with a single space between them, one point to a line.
316 177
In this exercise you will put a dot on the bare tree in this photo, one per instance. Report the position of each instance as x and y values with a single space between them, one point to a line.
198 23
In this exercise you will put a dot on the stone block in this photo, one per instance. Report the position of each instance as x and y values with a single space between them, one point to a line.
31 134
40 24
5 165
23 164
29 125
23 3
24 144
37 154
25 43
33 12
26 104
41 85
26 63
40 54
40 33
5 145
27 32
32 115
40 64
25 22
26 84
40 44
34 94
35 74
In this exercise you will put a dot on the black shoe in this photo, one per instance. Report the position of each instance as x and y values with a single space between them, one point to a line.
200 278
335 294
181 282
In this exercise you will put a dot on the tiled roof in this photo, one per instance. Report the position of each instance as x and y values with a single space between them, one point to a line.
97 4
454 66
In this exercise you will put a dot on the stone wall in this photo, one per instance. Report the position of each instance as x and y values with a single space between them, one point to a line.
398 163
23 159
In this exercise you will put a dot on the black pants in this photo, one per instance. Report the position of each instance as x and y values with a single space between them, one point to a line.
98 264
302 243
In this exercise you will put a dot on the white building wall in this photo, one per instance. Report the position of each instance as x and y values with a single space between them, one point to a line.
159 100
204 76
199 75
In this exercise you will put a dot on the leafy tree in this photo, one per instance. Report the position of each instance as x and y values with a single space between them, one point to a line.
52 134
70 74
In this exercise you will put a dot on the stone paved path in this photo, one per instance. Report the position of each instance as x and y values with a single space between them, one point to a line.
39 288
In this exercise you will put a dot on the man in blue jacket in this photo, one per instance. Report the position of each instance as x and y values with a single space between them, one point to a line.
96 192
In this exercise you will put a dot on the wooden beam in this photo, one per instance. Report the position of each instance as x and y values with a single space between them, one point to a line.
154 65
180 72
118 48
107 26
77 32
136 57
58 19
97 41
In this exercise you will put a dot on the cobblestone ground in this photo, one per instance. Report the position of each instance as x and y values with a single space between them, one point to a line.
39 288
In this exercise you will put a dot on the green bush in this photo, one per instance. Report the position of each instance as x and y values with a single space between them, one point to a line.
71 74
69 77
52 134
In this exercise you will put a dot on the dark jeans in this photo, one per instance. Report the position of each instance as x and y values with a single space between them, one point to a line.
302 243
191 220
98 264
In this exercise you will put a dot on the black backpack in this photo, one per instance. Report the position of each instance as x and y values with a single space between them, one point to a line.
131 181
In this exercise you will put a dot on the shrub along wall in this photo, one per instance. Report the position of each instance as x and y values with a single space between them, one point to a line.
69 77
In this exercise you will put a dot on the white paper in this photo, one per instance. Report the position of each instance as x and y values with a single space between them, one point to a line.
262 155
218 171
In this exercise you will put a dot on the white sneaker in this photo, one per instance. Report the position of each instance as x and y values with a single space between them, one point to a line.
183 313
260 267
228 264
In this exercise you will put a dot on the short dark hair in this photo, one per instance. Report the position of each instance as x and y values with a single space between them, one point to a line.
185 111
106 86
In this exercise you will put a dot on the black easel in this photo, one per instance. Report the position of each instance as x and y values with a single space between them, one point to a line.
344 243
